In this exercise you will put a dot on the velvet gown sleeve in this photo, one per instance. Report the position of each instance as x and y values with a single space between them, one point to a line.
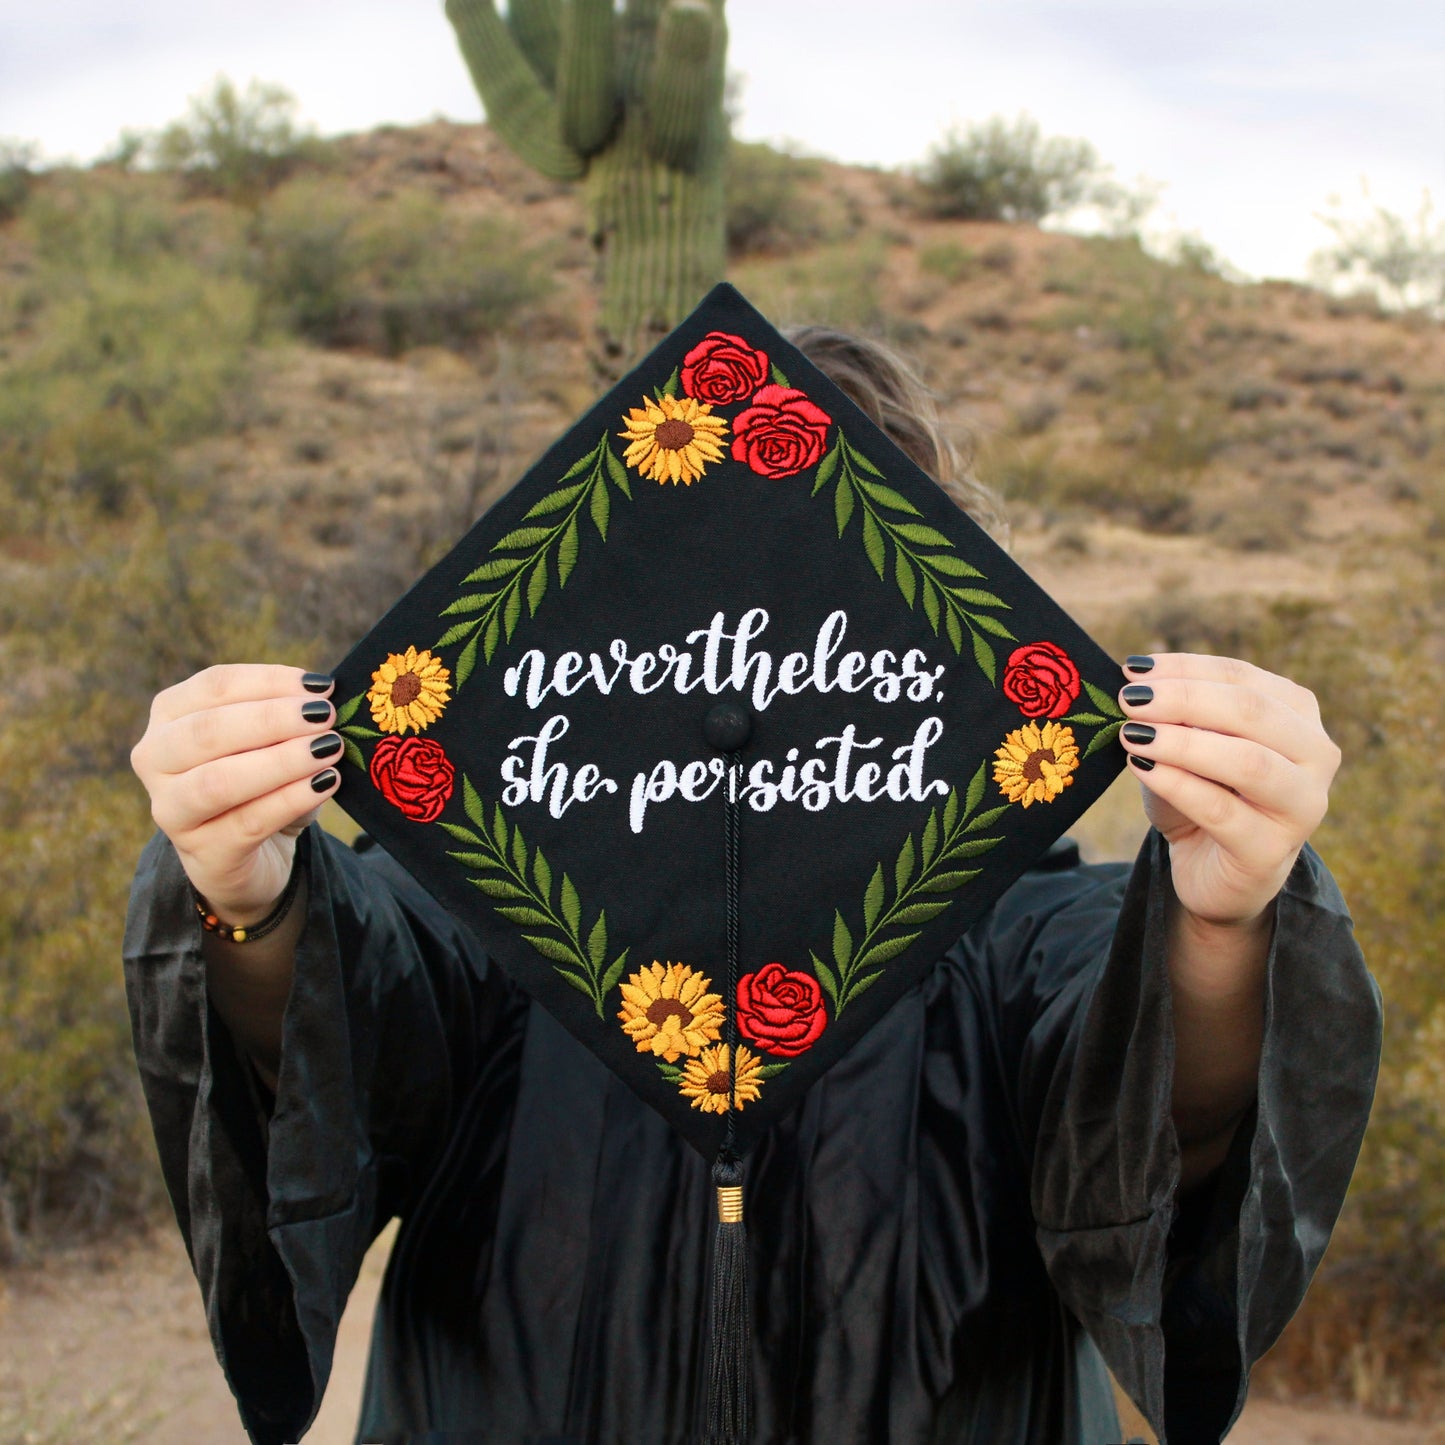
391 1009
1183 1297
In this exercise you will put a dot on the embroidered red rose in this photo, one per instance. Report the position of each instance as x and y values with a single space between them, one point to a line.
414 774
781 1010
722 369
781 433
1041 679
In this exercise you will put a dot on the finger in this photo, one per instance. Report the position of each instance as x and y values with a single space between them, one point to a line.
1253 840
1241 712
223 785
238 727
1232 671
236 682
1257 774
259 818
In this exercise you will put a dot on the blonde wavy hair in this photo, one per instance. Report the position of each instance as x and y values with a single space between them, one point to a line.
889 389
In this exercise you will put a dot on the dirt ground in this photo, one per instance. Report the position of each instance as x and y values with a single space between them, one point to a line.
106 1347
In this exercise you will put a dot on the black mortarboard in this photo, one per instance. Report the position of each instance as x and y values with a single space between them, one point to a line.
722 725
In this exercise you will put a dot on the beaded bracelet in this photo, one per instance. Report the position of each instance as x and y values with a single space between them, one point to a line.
273 920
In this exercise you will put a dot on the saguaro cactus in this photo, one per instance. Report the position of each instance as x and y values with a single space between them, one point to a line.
630 103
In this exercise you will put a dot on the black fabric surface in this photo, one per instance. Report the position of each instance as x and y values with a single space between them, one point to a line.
960 1218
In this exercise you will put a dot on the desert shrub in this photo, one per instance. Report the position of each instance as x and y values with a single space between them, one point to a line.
1399 259
838 285
17 176
999 170
768 208
342 270
948 260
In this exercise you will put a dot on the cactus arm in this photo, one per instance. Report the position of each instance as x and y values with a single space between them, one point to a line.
536 26
518 106
587 92
685 86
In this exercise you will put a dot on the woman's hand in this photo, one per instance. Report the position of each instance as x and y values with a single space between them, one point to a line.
236 760
1236 769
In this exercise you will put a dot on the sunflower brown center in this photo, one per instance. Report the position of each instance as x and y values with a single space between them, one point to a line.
673 435
719 1083
1033 767
662 1009
407 688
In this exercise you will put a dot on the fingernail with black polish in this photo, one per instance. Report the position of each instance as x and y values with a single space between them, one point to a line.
330 745
316 681
1134 732
323 781
1136 694
1143 764
1138 664
321 711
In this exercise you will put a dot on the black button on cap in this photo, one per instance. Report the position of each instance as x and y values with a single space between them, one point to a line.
727 726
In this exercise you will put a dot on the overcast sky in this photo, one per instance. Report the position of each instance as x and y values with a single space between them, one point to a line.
1252 112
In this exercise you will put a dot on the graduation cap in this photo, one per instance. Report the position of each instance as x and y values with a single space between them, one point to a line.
717 730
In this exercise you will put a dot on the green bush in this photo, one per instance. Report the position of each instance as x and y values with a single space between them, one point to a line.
767 207
1398 258
16 177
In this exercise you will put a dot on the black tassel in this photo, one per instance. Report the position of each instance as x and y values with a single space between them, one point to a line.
730 1347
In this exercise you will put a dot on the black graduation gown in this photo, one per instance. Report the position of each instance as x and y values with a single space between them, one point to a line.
962 1221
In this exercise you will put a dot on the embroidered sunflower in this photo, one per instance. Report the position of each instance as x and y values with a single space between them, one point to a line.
674 439
408 691
707 1083
667 1011
1035 763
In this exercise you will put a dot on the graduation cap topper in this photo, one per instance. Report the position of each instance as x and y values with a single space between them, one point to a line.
725 684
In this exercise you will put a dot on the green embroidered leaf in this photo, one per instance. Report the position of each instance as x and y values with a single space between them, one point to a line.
542 872
825 977
842 942
472 602
1103 738
567 553
472 805
889 498
863 461
1102 700
499 888
601 508
955 630
883 952
827 467
950 812
522 537
519 914
978 597
617 472
986 623
778 378
670 388
983 655
597 941
972 848
582 463
463 835
988 819
497 567
947 882
930 602
514 610
366 734
468 659
347 710
919 532
537 584
571 904
843 503
454 634
873 543
582 985
519 851
473 860
770 1071
611 978
918 913
671 1072
975 790
860 986
952 565
551 948
494 635
903 575
930 837
873 899
1093 719
555 501
903 869
499 830
352 754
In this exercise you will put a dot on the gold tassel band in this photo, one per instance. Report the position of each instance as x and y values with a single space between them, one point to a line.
730 1204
